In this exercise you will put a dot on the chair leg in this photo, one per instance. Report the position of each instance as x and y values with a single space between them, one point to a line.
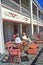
11 59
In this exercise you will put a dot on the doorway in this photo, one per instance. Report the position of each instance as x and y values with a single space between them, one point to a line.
15 28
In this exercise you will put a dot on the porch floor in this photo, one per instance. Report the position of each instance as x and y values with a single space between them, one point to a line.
30 57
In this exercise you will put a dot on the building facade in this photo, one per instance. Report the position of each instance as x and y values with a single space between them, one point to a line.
17 16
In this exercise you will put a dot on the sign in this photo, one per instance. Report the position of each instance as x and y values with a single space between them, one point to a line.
11 15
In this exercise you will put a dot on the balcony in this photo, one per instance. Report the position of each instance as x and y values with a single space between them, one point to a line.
34 19
11 5
16 7
26 12
40 21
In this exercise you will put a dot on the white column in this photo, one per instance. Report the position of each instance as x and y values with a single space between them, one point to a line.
20 24
31 9
20 6
37 21
20 29
2 48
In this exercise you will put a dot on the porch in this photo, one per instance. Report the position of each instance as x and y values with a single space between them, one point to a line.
30 57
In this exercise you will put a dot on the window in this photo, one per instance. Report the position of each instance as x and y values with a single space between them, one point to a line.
17 1
25 3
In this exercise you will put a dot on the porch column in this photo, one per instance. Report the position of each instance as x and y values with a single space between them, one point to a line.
2 47
37 21
20 29
31 9
20 24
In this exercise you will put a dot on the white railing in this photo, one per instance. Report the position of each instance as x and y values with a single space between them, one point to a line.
11 4
25 11
40 20
34 17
